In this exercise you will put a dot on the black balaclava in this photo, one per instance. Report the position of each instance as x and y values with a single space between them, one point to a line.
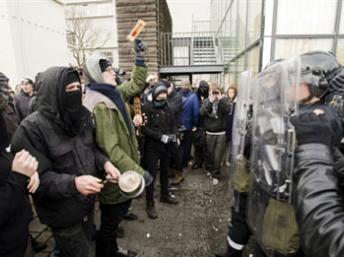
159 88
203 89
71 104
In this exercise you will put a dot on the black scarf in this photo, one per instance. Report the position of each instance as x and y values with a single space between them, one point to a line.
72 116
112 93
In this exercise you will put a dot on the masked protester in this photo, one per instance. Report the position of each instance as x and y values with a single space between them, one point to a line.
60 136
160 132
116 136
175 102
199 136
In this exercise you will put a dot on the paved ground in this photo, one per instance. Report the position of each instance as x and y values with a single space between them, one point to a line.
195 227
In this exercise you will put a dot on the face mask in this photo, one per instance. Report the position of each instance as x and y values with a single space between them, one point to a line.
71 116
72 101
204 92
160 103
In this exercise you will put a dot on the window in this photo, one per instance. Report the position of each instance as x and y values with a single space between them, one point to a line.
108 55
306 16
254 20
286 48
340 51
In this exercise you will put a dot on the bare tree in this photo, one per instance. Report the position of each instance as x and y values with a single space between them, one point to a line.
82 36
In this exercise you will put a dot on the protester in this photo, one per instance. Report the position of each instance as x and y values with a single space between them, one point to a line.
199 136
160 132
7 106
231 94
175 102
15 183
115 136
60 136
23 98
214 110
189 120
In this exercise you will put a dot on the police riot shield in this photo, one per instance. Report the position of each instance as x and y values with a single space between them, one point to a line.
240 176
270 213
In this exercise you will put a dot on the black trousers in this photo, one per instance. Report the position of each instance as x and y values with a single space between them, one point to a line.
185 145
152 157
76 240
111 216
176 157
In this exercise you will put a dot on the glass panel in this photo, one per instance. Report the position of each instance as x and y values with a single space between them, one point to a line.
340 51
253 22
299 16
241 24
253 60
341 28
286 48
180 55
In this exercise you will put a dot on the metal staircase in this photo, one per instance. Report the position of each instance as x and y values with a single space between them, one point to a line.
203 51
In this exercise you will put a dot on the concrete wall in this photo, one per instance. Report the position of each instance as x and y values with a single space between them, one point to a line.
33 38
158 19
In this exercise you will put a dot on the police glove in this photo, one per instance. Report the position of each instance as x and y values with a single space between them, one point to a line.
139 53
313 128
165 139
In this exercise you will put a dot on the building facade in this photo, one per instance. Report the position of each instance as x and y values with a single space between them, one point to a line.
158 20
33 38
254 32
97 19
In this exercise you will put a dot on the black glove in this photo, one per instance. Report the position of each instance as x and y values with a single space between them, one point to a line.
313 128
139 53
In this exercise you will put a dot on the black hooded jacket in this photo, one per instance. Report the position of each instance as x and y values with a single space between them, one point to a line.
160 121
61 152
14 206
7 106
175 103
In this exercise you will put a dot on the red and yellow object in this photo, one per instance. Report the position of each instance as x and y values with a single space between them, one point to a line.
135 32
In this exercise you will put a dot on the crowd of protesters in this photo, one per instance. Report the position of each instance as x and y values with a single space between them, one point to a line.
67 140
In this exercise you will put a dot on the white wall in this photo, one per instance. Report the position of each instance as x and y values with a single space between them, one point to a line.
184 11
102 18
32 38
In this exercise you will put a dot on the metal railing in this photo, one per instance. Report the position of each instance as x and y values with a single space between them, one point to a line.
183 49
